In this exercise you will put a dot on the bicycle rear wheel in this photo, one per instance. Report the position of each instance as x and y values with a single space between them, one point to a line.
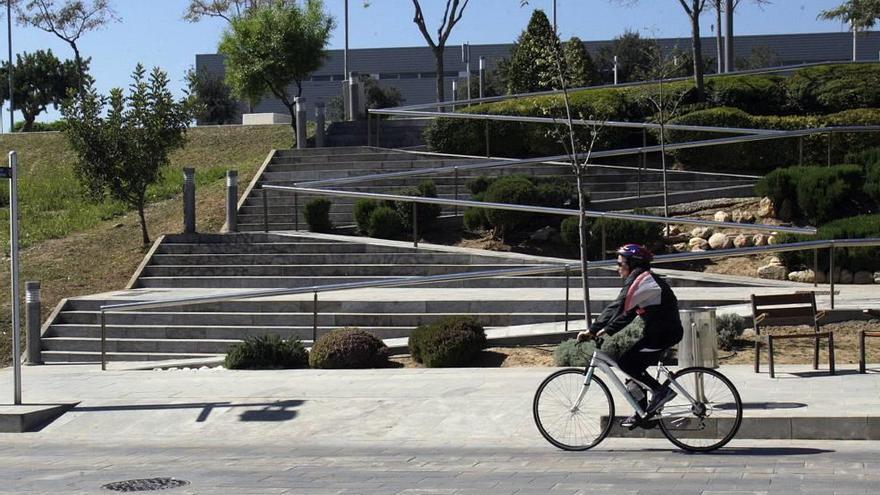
565 424
711 421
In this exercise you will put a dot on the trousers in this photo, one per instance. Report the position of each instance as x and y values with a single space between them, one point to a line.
637 359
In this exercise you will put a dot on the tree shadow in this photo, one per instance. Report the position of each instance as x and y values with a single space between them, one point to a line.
271 411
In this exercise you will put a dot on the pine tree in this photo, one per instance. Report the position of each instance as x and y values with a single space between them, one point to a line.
580 69
531 66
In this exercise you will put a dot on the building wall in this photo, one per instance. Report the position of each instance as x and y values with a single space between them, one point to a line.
412 69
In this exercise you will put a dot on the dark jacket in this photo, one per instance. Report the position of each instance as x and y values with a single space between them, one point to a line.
647 295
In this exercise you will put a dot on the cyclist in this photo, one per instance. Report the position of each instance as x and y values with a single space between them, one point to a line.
647 295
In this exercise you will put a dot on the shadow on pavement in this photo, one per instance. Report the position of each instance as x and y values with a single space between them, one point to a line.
270 411
765 451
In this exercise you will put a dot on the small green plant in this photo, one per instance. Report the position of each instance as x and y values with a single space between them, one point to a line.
512 189
475 219
570 353
267 352
452 341
317 215
385 223
348 348
729 326
361 212
427 213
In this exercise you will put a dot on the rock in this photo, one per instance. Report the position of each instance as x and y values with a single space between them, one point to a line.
805 276
722 216
774 260
543 234
846 277
681 247
671 231
678 238
759 239
772 272
720 241
772 240
698 243
765 208
118 225
742 241
863 277
743 216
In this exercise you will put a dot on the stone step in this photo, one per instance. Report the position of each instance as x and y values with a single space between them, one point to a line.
350 157
316 270
138 345
326 151
269 249
402 257
95 357
211 332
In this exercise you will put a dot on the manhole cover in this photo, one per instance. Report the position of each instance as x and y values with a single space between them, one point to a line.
145 485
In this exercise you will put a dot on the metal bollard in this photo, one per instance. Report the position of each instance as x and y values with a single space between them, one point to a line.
232 201
415 210
189 200
32 303
319 124
301 122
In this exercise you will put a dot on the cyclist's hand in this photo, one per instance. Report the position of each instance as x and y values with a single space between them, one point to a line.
584 336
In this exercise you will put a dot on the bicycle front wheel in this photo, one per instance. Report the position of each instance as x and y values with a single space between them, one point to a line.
563 419
711 420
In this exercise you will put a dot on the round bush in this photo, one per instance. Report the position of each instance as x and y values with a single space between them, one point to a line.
361 213
475 219
852 259
872 183
450 342
317 215
826 193
729 327
427 213
512 189
385 223
570 353
569 230
348 348
267 352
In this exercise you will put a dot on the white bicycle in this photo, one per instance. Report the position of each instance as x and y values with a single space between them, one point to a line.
574 410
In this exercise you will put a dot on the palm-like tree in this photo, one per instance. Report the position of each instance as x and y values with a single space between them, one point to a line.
859 14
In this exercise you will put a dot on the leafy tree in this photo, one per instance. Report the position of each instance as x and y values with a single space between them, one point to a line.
272 47
68 20
531 66
210 98
493 85
761 57
224 9
121 153
451 15
40 80
581 71
859 14
633 58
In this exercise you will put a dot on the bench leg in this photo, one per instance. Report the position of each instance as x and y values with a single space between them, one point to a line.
757 356
862 358
816 353
831 352
770 356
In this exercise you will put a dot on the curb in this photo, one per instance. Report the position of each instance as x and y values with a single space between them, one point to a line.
784 428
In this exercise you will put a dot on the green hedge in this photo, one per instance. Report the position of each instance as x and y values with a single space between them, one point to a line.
348 348
852 259
267 352
453 341
617 233
834 88
317 215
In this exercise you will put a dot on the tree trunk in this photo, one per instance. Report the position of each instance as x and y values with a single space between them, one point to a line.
582 237
28 122
729 62
441 89
697 54
144 233
79 68
719 45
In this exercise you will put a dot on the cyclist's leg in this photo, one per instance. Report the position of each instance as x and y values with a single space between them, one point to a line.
637 359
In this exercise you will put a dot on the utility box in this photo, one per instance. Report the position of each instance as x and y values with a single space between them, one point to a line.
699 344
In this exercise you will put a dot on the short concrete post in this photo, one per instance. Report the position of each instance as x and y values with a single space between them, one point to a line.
454 93
354 96
482 75
32 303
231 201
301 122
319 124
189 200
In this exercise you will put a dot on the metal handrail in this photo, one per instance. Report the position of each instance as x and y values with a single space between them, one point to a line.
540 209
597 154
531 270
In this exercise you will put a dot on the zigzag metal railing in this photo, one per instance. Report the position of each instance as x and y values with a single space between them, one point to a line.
508 272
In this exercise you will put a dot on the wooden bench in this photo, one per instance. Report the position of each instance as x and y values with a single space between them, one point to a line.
784 310
863 334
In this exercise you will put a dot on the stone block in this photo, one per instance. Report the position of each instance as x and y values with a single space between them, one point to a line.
265 118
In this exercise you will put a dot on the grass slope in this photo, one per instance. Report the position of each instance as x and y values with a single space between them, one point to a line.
63 234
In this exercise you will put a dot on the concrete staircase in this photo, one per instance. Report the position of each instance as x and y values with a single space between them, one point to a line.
387 133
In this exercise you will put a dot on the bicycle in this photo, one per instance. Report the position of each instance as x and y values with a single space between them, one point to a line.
574 410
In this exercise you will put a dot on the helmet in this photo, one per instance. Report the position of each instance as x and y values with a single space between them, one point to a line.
636 253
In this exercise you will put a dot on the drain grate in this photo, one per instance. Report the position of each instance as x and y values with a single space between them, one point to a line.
145 485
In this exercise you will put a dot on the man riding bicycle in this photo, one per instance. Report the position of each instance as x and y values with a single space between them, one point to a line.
647 295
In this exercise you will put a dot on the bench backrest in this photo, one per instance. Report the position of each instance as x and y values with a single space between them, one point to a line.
784 309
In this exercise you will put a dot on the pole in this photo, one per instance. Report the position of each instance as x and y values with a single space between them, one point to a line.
831 271
615 70
728 37
454 91
189 200
13 251
482 74
554 17
301 122
232 201
9 73
315 319
32 307
319 124
345 52
567 285
415 209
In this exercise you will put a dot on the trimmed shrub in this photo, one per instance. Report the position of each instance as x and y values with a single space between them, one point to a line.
511 189
570 353
361 212
617 233
757 95
348 348
479 185
427 213
780 186
852 259
872 184
266 352
317 215
449 342
569 231
385 223
834 88
865 158
729 326
475 219
826 193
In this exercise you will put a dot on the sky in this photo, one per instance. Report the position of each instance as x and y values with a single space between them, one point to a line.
154 33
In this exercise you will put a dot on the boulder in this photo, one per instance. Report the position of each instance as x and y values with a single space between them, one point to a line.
805 276
863 277
742 241
703 232
743 216
846 277
759 239
680 247
544 234
772 240
720 241
722 216
698 244
775 260
671 231
772 272
765 208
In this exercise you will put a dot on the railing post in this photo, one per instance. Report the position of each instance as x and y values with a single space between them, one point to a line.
644 161
314 319
488 152
801 151
320 116
829 148
831 271
32 309
455 187
265 210
415 211
301 122
815 268
189 200
103 341
231 201
567 285
295 211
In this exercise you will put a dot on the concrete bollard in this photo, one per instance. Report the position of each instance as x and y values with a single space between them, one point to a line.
319 124
32 304
482 80
231 201
189 200
301 122
354 102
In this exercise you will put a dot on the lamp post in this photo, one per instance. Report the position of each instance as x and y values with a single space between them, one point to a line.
9 72
345 51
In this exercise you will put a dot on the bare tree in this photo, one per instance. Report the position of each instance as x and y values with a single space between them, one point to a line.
224 9
721 6
68 20
451 15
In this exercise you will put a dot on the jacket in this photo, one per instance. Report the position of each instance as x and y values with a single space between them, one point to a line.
647 295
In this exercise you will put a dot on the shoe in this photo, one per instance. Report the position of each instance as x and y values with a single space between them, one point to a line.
630 422
659 399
